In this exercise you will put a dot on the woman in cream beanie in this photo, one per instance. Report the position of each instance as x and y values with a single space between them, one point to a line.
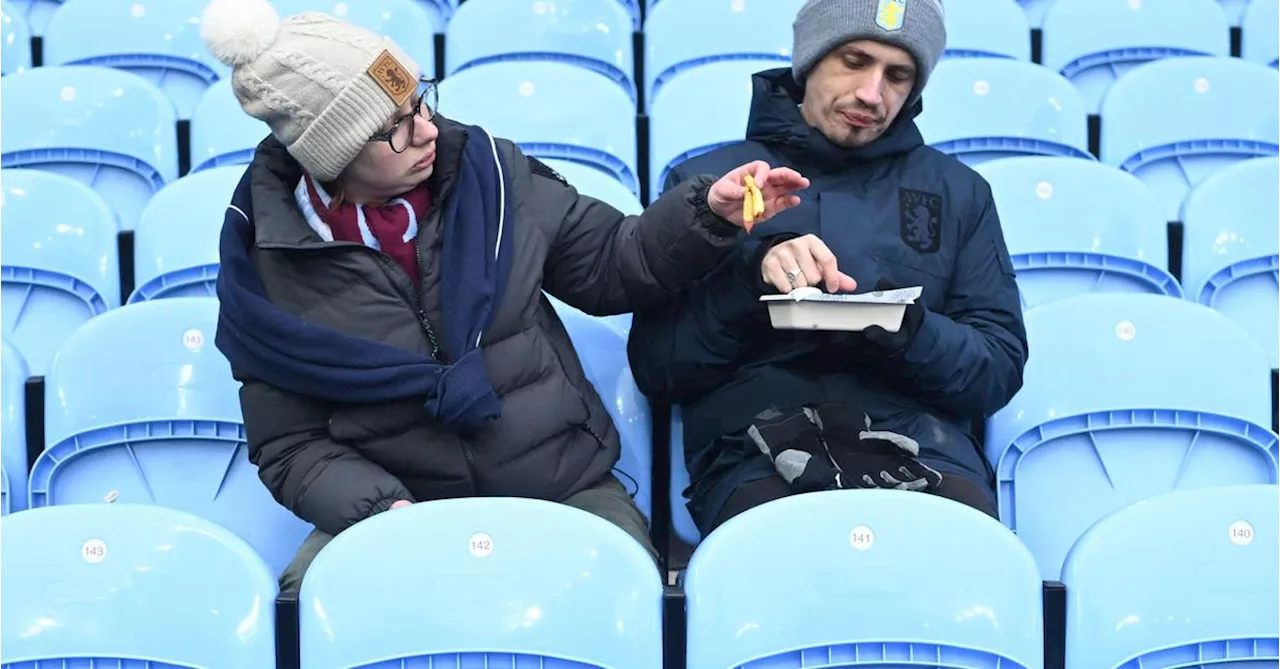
394 343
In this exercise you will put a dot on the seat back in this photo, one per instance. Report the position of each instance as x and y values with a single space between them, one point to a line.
482 582
682 126
1173 150
1094 42
987 29
602 350
552 110
854 578
1231 247
979 109
103 127
1259 41
411 24
1077 226
1114 409
15 41
682 35
140 407
159 40
595 34
1181 579
681 520
36 13
221 133
111 584
58 264
13 426
597 184
176 244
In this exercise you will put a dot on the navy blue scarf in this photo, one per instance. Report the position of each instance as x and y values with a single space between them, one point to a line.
266 343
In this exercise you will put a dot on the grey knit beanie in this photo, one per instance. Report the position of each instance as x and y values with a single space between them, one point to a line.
914 25
322 85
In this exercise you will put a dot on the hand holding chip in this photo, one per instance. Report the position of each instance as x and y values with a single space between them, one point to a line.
754 193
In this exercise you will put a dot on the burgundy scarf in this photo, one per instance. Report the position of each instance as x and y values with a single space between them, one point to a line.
390 228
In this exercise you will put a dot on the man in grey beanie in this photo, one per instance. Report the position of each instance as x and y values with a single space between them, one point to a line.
771 412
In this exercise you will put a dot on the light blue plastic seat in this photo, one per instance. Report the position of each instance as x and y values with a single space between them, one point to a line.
411 24
681 123
482 582
1231 248
987 29
552 110
1077 226
980 109
140 407
681 520
1174 122
121 585
221 133
594 34
103 127
5 500
597 184
1094 42
1126 396
863 578
159 40
602 351
36 13
1183 579
15 41
176 243
685 34
1260 37
59 264
13 427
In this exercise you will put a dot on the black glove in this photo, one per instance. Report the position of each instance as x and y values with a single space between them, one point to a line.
893 343
794 443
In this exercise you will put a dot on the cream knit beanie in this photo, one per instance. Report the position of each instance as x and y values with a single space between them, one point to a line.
323 86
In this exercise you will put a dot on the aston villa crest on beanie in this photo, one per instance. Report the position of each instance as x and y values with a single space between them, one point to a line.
323 86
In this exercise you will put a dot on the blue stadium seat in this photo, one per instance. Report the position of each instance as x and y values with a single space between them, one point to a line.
36 13
130 586
1094 42
979 109
1260 39
221 133
1078 226
141 408
987 29
106 128
1231 247
874 578
5 498
684 34
681 521
13 428
482 582
410 23
15 42
158 40
595 34
682 125
1126 396
59 261
604 187
176 243
1174 122
602 351
552 110
1184 579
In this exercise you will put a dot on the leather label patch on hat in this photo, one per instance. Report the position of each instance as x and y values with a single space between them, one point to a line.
392 78
889 14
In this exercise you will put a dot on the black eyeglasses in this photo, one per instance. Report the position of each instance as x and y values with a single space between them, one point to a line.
401 132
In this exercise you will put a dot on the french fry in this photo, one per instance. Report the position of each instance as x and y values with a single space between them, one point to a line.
752 203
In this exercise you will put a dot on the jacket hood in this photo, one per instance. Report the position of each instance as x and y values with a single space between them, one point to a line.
775 120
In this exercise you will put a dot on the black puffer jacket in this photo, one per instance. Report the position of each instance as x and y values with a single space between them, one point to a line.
335 464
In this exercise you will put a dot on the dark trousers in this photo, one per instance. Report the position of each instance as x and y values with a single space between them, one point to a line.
755 493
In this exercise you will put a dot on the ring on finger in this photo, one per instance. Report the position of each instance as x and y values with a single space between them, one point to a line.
792 275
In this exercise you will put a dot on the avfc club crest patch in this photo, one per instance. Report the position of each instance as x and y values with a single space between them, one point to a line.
889 14
920 220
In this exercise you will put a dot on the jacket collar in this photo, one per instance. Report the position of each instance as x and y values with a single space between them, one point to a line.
274 174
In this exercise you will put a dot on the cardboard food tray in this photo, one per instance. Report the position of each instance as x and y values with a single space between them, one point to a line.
812 309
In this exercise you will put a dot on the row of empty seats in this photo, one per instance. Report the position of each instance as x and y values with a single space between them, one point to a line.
874 578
